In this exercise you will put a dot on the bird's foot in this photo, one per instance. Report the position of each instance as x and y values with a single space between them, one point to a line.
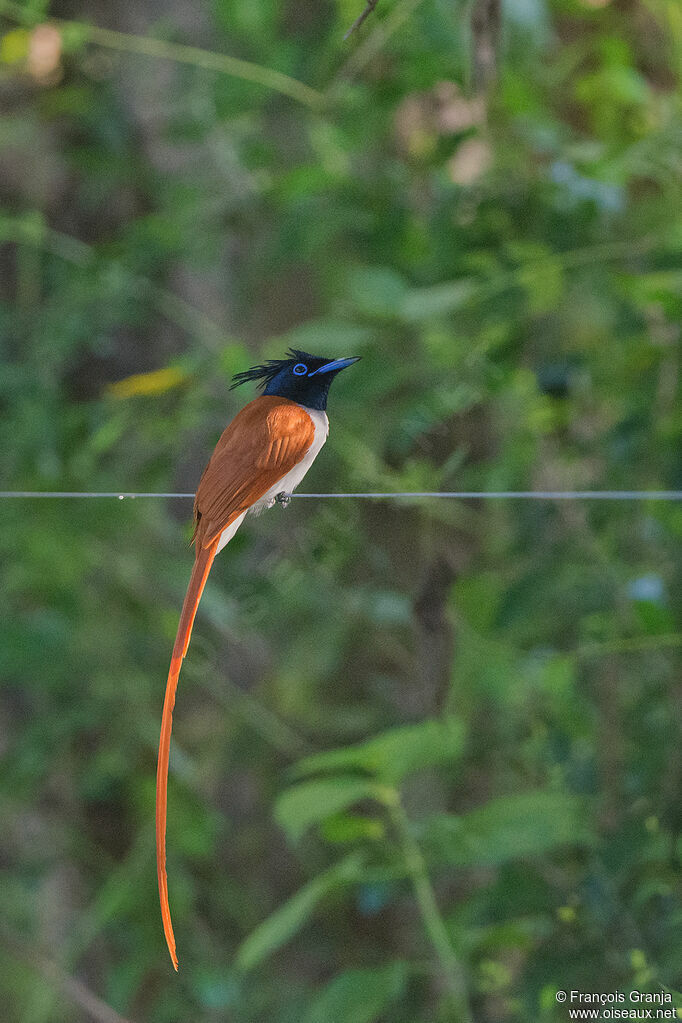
283 499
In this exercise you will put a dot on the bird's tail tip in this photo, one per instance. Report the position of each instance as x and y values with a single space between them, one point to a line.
170 942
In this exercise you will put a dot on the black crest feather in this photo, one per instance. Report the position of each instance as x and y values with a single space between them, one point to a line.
267 370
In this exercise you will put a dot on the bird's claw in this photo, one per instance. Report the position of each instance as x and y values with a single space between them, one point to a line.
283 499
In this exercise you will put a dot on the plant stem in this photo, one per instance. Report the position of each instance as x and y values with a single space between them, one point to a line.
636 644
434 925
208 60
372 45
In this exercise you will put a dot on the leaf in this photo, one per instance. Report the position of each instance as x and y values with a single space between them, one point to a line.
14 46
543 282
346 827
75 36
293 914
358 996
528 824
396 753
439 300
479 597
155 382
312 801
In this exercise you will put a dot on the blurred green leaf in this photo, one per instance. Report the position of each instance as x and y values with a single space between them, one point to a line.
292 915
439 300
306 804
395 754
14 46
510 827
543 282
346 827
358 996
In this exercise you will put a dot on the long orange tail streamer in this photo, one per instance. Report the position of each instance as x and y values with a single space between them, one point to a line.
202 566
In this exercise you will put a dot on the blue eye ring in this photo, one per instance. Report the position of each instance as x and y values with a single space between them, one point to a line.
300 370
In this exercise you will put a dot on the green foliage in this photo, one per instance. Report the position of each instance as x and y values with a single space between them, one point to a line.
523 825
359 996
268 936
313 801
392 755
426 754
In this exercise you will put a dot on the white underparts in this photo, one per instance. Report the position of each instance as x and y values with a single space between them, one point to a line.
228 533
288 483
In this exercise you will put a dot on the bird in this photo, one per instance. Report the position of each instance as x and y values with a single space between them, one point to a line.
260 459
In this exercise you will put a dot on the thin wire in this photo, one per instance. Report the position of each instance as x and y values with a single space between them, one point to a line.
516 495
525 495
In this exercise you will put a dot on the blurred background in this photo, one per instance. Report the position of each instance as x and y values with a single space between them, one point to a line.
426 761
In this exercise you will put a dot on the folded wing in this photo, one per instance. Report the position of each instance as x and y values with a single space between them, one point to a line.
260 446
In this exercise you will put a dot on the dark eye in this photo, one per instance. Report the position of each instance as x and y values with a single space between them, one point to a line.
300 370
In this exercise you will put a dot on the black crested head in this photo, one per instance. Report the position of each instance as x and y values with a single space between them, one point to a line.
301 377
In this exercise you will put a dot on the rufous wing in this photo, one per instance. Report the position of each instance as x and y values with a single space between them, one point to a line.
260 446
